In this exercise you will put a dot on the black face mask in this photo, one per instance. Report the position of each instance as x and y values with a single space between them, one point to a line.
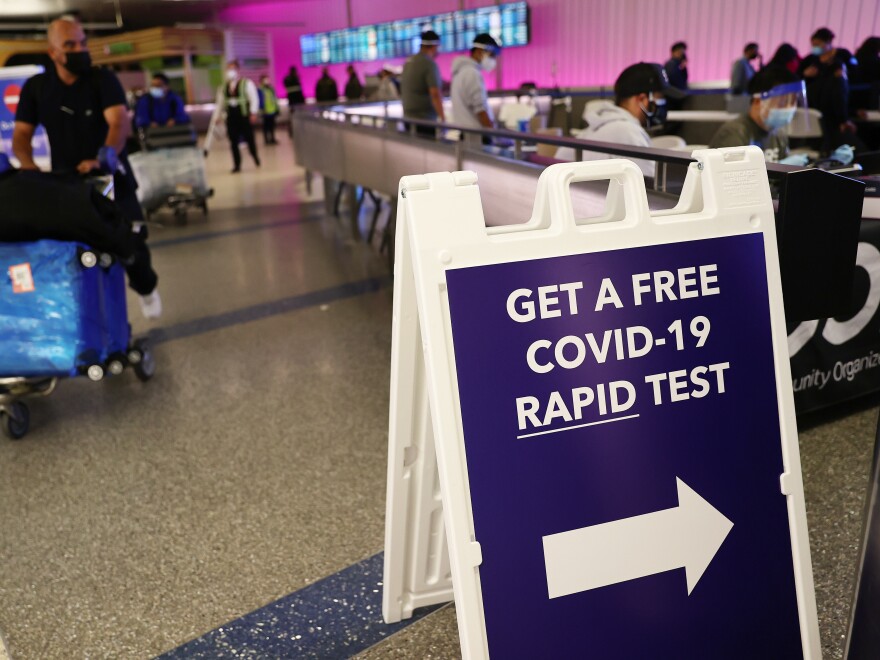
655 112
79 63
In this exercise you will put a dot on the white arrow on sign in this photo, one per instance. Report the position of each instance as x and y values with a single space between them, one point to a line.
687 536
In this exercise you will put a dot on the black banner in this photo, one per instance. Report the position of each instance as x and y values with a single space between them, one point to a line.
833 360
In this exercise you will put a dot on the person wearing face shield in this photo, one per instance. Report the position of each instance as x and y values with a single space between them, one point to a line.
775 95
241 102
420 85
470 104
640 94
160 106
83 109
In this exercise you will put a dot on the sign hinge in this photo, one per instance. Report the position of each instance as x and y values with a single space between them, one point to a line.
786 485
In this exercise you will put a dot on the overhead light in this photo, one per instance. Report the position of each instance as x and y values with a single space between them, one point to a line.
12 8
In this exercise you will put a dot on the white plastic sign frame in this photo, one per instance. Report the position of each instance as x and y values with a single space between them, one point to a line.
440 226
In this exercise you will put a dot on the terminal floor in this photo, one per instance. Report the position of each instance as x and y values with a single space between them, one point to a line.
137 517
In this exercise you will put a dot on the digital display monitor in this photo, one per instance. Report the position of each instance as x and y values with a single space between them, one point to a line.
507 23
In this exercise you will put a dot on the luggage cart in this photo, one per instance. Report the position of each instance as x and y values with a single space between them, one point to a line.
171 172
62 314
110 348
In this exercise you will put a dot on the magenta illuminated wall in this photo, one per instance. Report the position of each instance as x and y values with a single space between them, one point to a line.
586 42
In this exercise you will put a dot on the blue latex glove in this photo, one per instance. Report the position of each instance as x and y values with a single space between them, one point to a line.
795 159
844 154
109 159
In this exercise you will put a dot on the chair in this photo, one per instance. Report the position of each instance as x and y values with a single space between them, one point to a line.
668 142
548 150
510 114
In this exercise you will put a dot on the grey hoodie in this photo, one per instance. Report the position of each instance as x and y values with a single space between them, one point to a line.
611 123
468 92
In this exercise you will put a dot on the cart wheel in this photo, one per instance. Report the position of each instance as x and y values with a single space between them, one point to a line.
105 260
180 213
16 425
88 259
115 366
95 372
145 366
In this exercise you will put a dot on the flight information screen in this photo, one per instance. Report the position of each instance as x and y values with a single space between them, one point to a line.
507 23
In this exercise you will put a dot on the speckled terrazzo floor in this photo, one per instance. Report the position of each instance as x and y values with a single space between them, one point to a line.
836 458
137 517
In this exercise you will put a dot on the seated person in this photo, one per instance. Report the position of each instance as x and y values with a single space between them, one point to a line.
775 93
639 101
160 106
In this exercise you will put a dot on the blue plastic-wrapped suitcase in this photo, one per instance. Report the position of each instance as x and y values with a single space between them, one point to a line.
59 312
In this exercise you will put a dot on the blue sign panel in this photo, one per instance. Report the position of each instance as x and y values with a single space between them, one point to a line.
10 90
623 450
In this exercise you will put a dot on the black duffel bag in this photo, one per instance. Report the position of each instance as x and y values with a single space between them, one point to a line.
39 205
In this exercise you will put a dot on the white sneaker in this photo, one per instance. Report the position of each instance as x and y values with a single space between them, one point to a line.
151 305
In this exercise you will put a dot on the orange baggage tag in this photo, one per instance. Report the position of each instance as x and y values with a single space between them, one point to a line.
22 278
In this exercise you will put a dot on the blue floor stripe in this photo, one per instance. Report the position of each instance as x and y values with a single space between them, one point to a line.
336 617
264 310
180 240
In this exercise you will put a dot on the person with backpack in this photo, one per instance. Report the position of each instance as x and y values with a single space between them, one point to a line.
160 106
83 109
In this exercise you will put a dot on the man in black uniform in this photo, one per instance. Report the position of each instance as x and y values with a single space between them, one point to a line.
241 101
84 112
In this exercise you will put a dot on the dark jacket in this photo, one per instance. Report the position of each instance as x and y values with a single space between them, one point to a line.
293 89
353 88
38 205
827 91
326 89
678 77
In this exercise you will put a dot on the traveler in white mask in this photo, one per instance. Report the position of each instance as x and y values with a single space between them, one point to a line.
470 105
